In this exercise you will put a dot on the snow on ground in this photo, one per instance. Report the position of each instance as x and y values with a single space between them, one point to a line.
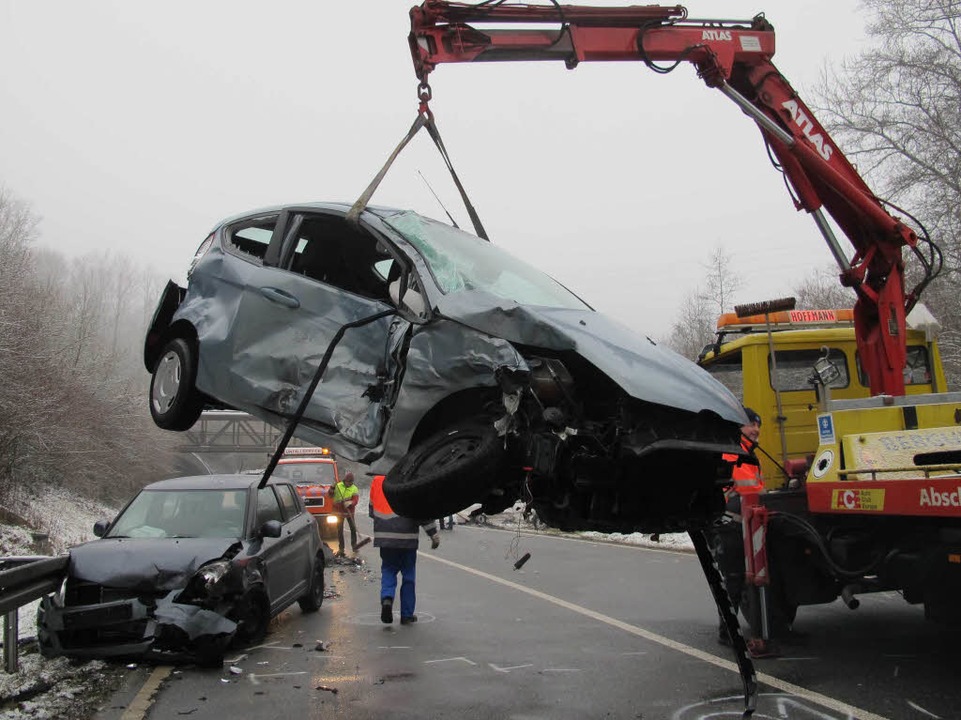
59 688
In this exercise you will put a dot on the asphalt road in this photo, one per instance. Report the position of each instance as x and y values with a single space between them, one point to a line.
583 630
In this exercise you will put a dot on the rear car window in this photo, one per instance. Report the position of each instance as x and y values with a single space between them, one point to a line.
249 239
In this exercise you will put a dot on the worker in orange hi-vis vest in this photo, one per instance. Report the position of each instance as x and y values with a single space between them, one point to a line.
397 538
728 536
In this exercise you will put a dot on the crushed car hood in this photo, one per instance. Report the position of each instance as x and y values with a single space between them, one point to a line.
149 563
642 368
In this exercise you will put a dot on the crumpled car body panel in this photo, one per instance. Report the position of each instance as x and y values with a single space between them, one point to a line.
644 369
584 401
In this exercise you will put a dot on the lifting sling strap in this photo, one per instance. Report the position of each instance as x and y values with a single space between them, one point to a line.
425 118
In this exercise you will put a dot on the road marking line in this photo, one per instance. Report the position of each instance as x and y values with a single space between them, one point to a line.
770 680
137 709
512 667
922 710
462 659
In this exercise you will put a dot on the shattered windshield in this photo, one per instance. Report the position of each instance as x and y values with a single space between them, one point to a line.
183 513
461 261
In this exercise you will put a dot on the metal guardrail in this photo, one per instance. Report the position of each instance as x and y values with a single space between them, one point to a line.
23 580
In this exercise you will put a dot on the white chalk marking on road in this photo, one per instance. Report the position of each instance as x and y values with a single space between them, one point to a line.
635 652
770 680
258 676
461 659
137 709
922 710
897 669
512 667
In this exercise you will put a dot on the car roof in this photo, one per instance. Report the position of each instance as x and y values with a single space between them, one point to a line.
209 482
378 210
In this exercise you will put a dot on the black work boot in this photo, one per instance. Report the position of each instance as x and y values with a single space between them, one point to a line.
387 611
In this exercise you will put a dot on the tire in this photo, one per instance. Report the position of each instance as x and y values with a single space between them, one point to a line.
252 615
447 472
314 597
175 403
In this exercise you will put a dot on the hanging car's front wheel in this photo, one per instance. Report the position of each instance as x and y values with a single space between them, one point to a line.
175 403
450 470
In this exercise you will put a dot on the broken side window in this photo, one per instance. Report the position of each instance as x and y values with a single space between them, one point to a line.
249 238
328 249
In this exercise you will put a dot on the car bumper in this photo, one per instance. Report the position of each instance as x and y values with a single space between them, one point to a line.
129 627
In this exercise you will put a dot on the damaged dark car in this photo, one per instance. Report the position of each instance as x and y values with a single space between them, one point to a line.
463 374
189 566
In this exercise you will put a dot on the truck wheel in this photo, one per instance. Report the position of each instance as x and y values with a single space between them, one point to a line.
450 470
175 403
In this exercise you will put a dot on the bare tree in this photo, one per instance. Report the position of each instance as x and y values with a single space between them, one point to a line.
896 108
697 318
722 281
694 327
822 290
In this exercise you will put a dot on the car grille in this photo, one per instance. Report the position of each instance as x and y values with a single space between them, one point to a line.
87 593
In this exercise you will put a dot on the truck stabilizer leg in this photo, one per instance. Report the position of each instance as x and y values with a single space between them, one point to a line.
726 610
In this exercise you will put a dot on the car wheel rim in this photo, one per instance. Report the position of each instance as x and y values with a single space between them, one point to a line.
456 450
167 380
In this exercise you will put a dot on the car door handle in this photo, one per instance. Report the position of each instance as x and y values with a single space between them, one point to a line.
280 297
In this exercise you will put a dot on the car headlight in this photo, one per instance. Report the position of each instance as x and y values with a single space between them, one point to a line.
331 519
212 573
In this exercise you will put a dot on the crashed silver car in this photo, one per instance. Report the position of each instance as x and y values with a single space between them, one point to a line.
461 372
189 566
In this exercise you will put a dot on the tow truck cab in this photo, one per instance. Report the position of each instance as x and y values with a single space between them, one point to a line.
746 359
313 471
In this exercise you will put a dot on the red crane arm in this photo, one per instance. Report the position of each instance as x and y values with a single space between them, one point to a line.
733 56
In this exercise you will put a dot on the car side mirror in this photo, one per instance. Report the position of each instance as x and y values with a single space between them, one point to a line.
271 529
100 527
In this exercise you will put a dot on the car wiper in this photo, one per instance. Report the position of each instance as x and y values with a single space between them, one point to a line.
178 537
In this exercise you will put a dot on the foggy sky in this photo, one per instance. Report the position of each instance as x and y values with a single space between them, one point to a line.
134 127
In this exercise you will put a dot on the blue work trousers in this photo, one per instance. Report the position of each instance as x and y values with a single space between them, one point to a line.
403 561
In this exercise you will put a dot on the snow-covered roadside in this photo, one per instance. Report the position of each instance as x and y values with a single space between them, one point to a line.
58 688
513 518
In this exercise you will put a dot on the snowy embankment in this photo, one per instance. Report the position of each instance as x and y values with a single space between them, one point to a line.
48 522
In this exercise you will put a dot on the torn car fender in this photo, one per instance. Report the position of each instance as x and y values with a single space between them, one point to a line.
444 357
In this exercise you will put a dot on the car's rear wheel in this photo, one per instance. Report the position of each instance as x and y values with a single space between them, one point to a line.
252 615
175 403
449 471
314 597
